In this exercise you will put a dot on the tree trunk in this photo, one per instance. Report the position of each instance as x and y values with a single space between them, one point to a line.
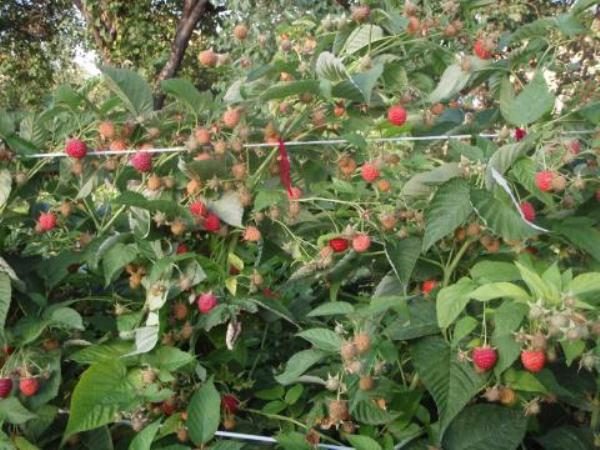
192 12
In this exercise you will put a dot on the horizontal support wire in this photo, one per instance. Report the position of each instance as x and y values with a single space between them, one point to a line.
443 137
270 440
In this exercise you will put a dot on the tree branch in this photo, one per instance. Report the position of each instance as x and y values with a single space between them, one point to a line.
100 42
192 12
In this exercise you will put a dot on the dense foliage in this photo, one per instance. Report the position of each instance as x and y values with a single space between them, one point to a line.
386 290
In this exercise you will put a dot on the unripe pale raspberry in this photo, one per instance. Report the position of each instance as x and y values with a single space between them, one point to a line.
361 243
252 234
231 118
207 58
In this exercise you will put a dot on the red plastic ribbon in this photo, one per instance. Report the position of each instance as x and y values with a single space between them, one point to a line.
284 167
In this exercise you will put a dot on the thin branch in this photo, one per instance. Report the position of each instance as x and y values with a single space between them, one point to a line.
192 12
100 42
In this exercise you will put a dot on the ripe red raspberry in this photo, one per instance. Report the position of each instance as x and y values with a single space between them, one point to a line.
575 146
230 403
427 286
295 193
484 358
142 161
396 115
212 223
181 248
206 302
369 172
481 50
338 245
533 360
6 386
361 243
46 221
528 211
543 180
520 134
252 234
76 148
198 209
28 386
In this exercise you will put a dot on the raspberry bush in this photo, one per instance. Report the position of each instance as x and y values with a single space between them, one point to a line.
370 292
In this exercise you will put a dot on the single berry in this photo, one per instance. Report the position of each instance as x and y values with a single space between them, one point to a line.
484 358
181 248
6 386
46 221
180 311
361 243
528 211
369 172
348 351
231 118
207 58
396 115
543 180
362 342
202 136
212 223
481 49
366 383
295 193
168 407
252 234
520 134
338 245
559 183
106 130
360 13
28 386
76 148
206 302
338 410
575 146
230 403
240 32
198 209
142 161
427 286
533 360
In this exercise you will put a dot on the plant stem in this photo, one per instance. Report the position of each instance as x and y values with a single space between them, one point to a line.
449 270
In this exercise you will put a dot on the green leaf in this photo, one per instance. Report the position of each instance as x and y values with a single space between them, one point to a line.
204 413
331 309
23 444
169 358
501 218
186 93
567 437
102 391
402 256
451 383
292 440
450 207
292 396
585 283
12 411
538 286
453 80
420 320
363 442
100 352
420 185
361 37
228 208
130 198
7 124
5 187
507 319
531 104
146 339
452 300
486 427
360 87
493 271
131 88
505 157
572 350
298 364
289 88
331 68
365 411
499 290
523 381
582 235
116 258
65 317
5 296
322 338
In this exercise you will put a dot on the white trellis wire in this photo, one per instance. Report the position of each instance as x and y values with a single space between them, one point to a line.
443 137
